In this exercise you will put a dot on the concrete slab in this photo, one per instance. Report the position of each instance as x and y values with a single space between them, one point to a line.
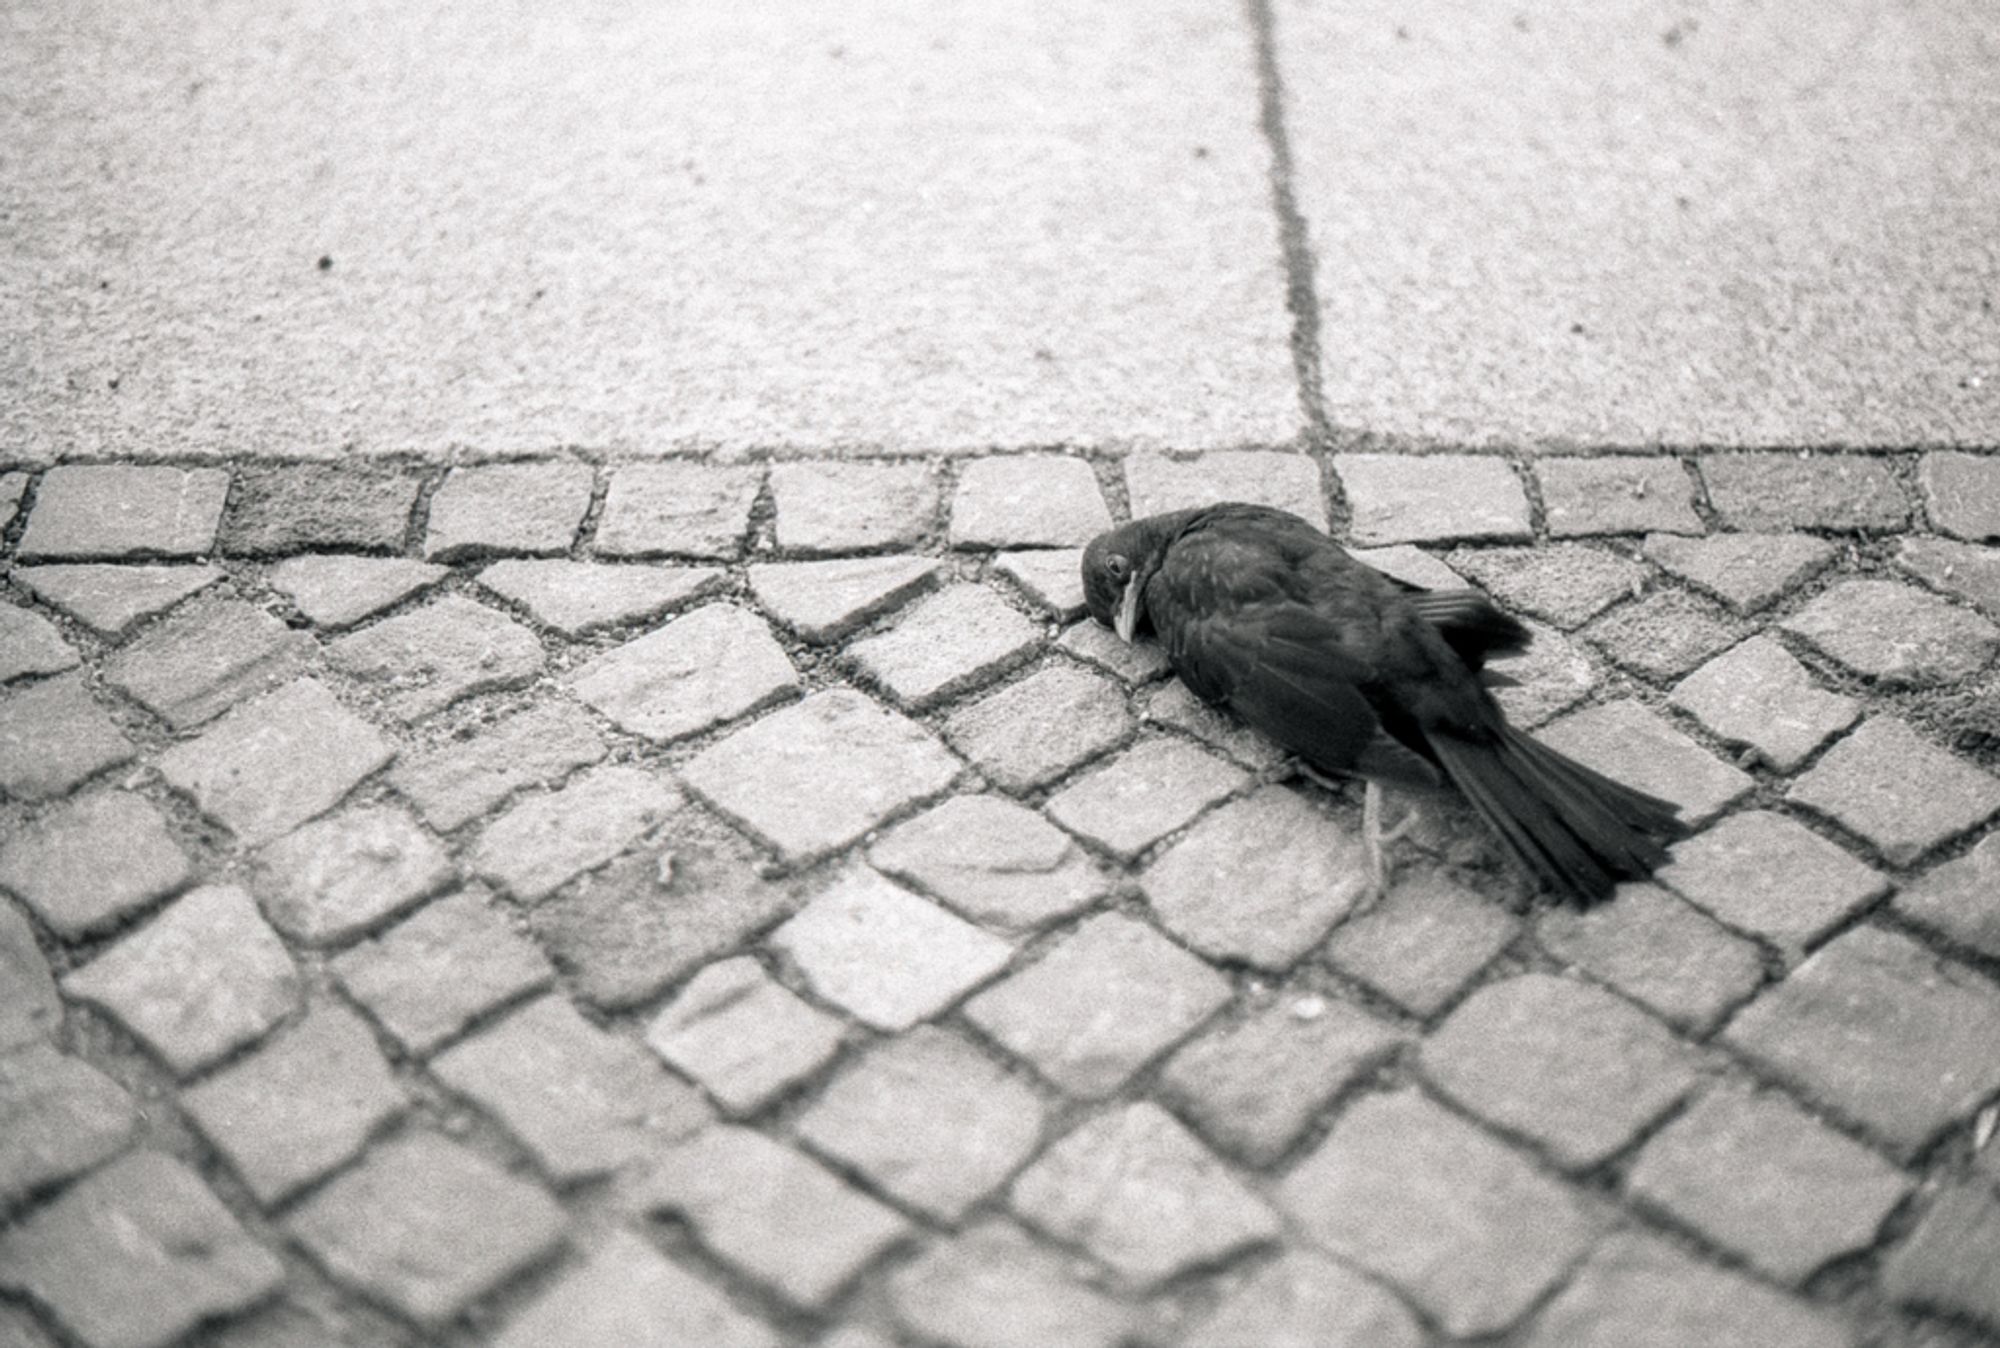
1652 221
323 228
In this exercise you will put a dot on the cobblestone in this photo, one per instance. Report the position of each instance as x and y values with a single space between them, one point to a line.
300 1106
993 1287
677 508
531 508
824 601
545 841
1766 874
743 1036
137 1255
1305 1300
206 657
1631 744
828 506
1130 803
1291 482
1658 951
437 971
92 861
576 598
1100 1005
53 735
30 1010
290 507
994 861
1896 633
1962 494
1425 940
111 600
1756 1174
339 877
1970 572
460 780
1134 662
1757 694
945 643
1053 578
1616 495
1260 880
13 486
1960 899
884 954
1553 675
1897 790
780 1218
1033 731
1947 1261
703 668
124 512
1664 635
1746 571
1804 491
59 1117
1568 583
627 1293
1411 565
1252 1086
426 1227
334 592
265 768
1172 704
1462 1224
865 761
422 661
31 644
1879 1029
1405 499
199 981
1030 500
929 1120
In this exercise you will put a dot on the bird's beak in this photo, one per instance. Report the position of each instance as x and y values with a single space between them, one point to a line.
1127 621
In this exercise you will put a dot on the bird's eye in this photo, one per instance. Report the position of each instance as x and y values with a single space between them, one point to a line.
1118 568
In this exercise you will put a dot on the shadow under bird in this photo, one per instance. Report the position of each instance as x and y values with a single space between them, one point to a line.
1359 674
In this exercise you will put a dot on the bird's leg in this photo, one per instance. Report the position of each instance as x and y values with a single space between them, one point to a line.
1374 842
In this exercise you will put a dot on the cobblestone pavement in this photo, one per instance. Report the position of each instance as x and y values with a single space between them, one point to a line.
715 887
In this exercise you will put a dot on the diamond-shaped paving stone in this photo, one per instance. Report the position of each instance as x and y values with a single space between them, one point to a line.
427 1227
579 597
1896 633
824 601
703 668
1034 730
993 1287
54 735
544 841
339 591
111 599
1631 744
1897 790
1664 635
864 763
338 877
1616 495
1746 571
1400 498
998 863
1099 1005
1878 1028
300 1105
1253 1085
1804 491
31 644
742 1035
91 861
1759 695
1970 572
585 1101
1305 1300
199 981
531 508
1948 1261
122 511
1755 1174
680 508
137 1255
836 506
286 507
628 1294
1636 1291
959 636
424 660
887 955
1423 942
784 1220
432 975
266 768
1174 704
1552 676
1291 482
1133 661
1052 577
461 779
1260 880
1565 1063
1960 899
59 1117
30 1010
1657 950
1411 565
1028 500
1139 1192
1568 584
1462 1224
1962 493
929 1119
1763 873
1145 793
205 658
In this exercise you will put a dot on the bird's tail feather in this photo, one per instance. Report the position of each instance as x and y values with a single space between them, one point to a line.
1575 829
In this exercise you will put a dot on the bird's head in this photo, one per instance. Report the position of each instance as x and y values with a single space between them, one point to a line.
1116 567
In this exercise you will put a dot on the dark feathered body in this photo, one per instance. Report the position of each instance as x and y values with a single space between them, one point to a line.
1262 613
